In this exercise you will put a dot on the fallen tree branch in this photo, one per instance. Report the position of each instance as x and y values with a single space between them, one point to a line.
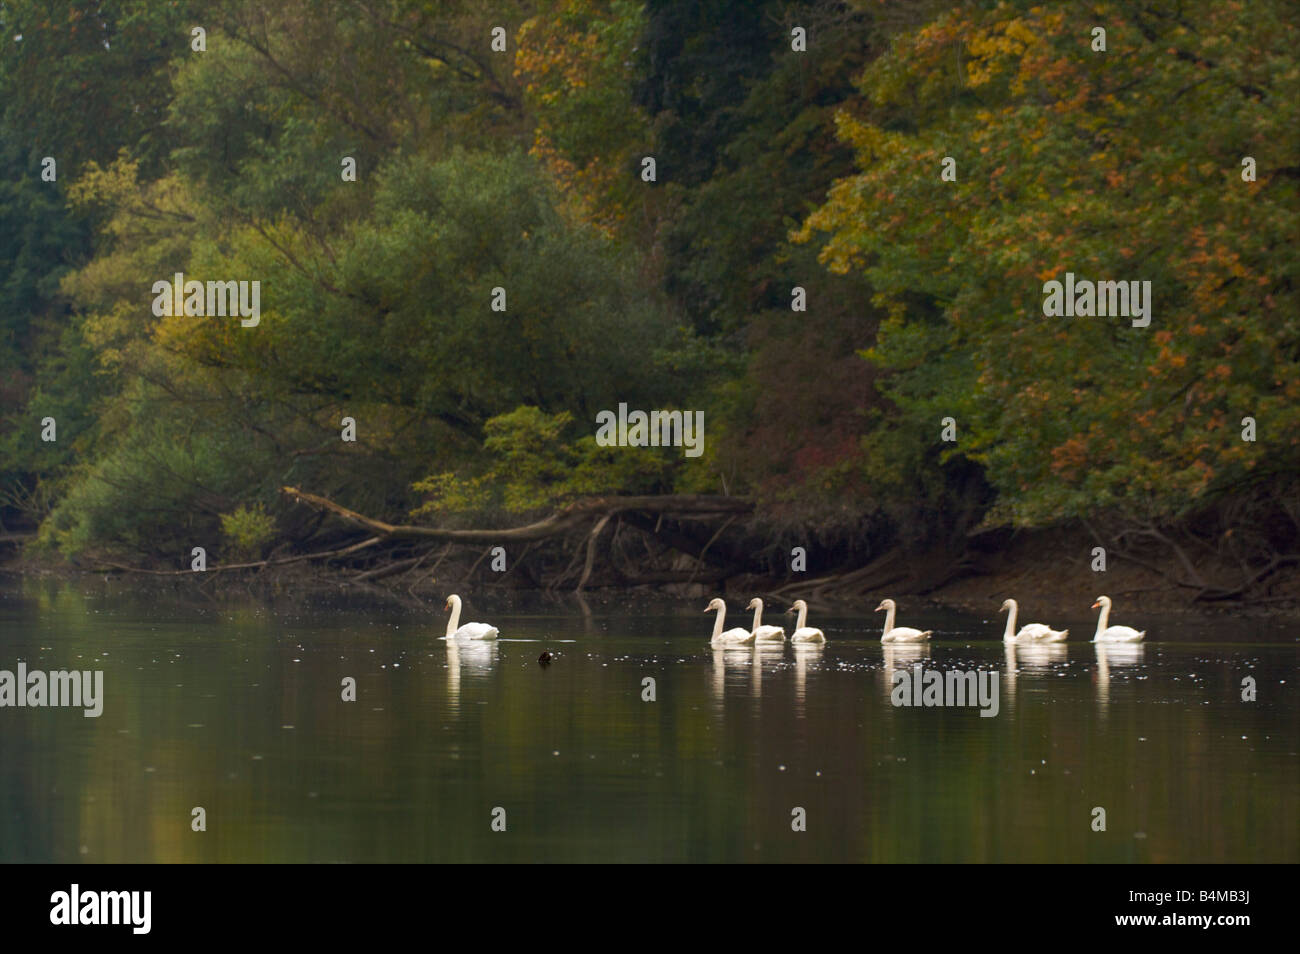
675 537
324 554
699 560
880 572
1273 566
572 516
591 550
576 516
474 565
432 570
658 577
389 569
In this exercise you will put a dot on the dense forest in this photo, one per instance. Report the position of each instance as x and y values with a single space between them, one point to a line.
827 226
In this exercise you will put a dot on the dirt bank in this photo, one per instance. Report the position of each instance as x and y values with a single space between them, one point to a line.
1056 567
1048 568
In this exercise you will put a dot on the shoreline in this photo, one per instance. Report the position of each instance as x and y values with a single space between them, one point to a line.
1020 571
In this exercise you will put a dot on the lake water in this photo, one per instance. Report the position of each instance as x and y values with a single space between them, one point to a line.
235 705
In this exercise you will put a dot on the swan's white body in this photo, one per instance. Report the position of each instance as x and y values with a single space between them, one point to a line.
1113 634
802 633
898 634
732 637
764 634
469 630
1030 632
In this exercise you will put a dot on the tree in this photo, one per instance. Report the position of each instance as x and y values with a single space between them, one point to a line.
1124 165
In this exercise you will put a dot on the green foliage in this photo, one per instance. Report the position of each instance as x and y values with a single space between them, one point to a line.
579 63
745 132
249 530
449 494
399 309
80 79
479 171
1123 165
532 467
378 309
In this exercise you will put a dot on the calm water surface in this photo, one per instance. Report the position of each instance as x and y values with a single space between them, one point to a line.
235 705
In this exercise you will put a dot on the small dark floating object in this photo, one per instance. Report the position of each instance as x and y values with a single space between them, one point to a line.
544 659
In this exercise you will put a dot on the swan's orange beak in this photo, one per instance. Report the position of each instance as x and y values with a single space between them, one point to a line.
1096 604
447 605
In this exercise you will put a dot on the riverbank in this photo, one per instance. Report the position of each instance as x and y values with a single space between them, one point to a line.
1056 566
1049 568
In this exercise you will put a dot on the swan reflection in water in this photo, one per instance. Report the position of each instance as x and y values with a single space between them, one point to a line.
1034 659
900 656
735 658
1114 656
804 653
766 654
475 657
738 659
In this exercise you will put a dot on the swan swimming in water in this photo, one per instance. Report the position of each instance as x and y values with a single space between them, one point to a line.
763 633
802 633
1113 634
469 630
898 634
1030 632
732 637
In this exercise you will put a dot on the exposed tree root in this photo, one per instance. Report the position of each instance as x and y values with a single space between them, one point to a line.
578 516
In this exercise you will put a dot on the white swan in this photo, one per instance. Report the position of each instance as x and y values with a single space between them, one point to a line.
802 633
1030 632
763 633
1113 634
898 634
732 637
469 630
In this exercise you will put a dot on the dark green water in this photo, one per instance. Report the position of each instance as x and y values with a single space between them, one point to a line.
235 706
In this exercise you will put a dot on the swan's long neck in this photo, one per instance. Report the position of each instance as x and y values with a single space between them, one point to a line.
1103 619
801 618
453 621
1011 620
717 623
758 614
889 618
